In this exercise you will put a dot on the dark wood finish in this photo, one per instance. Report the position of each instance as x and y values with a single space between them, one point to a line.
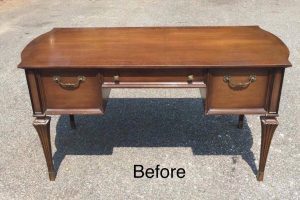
233 111
220 96
241 121
33 86
154 75
268 126
76 111
276 90
72 121
136 78
169 57
156 47
86 96
42 126
154 85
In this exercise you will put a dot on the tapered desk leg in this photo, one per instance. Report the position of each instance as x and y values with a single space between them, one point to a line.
268 126
241 121
72 121
42 126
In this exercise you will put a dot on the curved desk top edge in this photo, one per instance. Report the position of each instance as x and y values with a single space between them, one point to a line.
156 47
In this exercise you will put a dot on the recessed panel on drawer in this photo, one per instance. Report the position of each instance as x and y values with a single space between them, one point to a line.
237 91
64 89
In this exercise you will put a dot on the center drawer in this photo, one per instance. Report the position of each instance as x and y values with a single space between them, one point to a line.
154 77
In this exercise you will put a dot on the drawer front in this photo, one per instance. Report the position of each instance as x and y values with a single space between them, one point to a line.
72 90
243 91
153 76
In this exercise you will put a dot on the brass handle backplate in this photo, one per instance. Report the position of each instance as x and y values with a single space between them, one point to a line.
232 84
69 86
116 78
190 78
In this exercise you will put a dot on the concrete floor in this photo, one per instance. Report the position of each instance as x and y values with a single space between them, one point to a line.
96 160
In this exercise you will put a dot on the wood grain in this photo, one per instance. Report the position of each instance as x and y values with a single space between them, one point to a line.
33 87
268 127
156 47
222 97
276 90
86 96
42 126
160 57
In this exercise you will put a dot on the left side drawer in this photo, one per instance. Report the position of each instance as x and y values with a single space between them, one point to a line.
71 92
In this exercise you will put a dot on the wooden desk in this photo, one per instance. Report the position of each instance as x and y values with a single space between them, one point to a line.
71 70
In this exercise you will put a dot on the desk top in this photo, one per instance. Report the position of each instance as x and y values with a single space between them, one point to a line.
156 47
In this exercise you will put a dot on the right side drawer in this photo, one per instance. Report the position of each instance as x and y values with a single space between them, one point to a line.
237 91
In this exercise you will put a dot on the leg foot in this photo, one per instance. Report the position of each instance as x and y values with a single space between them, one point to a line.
260 176
72 121
42 126
268 126
241 121
52 176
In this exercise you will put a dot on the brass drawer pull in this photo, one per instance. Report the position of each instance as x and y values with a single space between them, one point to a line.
190 78
69 86
116 78
227 79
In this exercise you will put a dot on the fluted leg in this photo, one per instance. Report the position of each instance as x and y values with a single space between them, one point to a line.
72 121
241 121
268 126
42 126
